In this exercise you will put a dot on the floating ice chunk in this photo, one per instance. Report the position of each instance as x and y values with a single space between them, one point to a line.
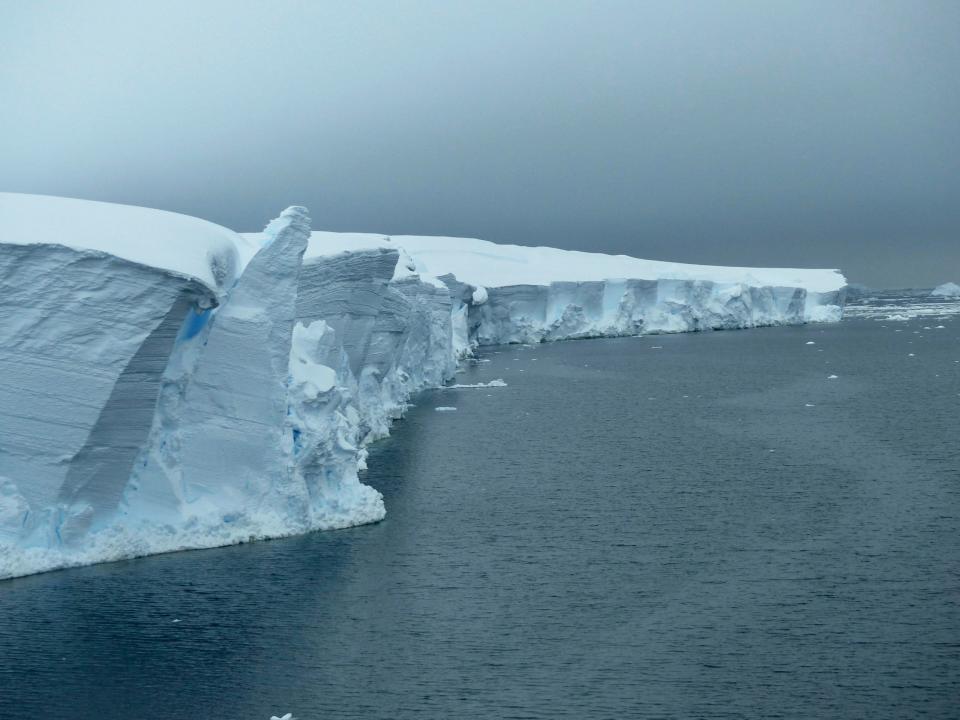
910 355
810 342
288 716
493 383
832 377
445 408
809 405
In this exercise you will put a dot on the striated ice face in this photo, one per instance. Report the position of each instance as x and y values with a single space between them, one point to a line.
84 342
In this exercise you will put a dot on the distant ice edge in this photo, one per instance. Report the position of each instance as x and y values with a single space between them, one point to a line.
151 408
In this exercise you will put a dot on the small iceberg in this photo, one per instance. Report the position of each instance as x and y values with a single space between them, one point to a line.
948 289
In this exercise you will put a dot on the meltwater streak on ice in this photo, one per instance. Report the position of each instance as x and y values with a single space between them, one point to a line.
683 526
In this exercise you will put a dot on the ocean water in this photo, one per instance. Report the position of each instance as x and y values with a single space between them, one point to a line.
699 525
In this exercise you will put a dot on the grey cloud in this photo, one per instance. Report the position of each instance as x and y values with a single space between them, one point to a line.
789 133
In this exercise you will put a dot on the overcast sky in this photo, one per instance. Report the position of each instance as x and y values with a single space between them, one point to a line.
823 134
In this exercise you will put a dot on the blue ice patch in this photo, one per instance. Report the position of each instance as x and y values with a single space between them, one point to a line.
194 323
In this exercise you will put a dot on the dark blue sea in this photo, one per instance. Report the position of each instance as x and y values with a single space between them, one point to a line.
678 526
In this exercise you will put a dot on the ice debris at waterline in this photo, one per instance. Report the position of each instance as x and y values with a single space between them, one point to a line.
169 384
499 382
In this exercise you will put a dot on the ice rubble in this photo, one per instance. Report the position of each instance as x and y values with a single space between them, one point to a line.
169 384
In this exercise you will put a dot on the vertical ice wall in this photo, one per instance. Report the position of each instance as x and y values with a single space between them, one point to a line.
84 340
138 417
510 293
233 431
221 452
366 339
609 308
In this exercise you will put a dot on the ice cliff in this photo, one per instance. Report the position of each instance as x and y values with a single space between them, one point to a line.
166 383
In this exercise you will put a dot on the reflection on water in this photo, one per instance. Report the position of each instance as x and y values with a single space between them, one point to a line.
688 525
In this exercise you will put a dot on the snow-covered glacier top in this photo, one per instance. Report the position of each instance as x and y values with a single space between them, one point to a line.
486 264
169 241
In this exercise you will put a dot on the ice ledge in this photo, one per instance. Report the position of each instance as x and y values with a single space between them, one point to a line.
179 244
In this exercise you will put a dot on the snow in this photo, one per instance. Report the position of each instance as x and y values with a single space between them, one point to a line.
948 289
482 263
177 243
170 384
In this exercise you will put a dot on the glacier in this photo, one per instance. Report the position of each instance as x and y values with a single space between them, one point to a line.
169 384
